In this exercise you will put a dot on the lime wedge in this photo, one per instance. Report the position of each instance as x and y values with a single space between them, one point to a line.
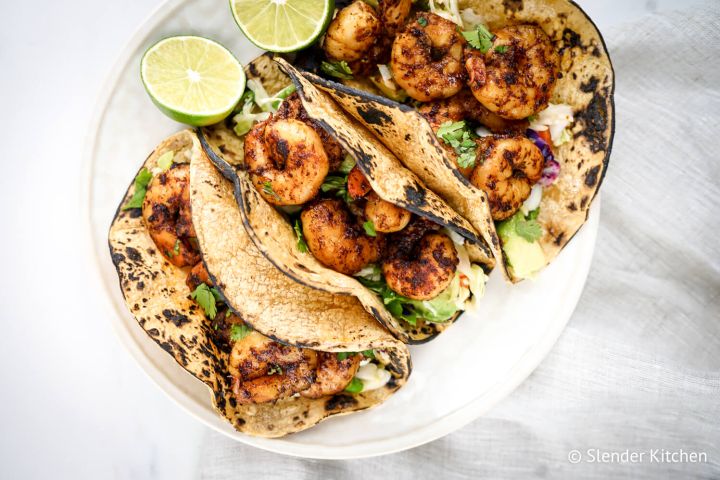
282 25
193 80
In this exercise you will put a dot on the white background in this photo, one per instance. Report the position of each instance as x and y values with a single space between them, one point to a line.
72 403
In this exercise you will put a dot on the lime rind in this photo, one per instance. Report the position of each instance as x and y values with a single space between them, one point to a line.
256 14
164 71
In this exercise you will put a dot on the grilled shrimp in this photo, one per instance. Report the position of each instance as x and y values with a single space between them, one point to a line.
425 271
286 161
332 374
292 108
385 216
265 370
506 169
352 32
427 58
515 78
166 210
393 14
198 275
335 240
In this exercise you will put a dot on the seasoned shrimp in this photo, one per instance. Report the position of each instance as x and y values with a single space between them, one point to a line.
265 370
427 58
166 210
332 374
506 169
385 216
352 32
286 161
393 14
424 271
198 275
292 108
516 76
335 240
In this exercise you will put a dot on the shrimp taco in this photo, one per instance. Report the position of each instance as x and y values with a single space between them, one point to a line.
277 356
331 207
505 109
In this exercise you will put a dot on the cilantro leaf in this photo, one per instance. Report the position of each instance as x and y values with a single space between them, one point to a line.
268 190
369 227
301 244
459 136
343 355
422 21
141 182
337 69
533 214
239 331
501 48
369 353
347 164
205 298
337 183
480 38
355 386
175 250
530 230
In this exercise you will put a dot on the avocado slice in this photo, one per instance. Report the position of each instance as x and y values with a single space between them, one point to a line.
525 258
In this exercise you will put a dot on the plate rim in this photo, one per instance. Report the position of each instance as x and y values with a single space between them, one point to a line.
445 425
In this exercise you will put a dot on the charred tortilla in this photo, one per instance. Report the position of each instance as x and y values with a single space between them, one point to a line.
158 298
586 82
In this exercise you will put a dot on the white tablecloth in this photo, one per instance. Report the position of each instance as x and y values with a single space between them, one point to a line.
632 388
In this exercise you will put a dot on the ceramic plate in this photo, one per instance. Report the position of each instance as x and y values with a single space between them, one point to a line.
456 378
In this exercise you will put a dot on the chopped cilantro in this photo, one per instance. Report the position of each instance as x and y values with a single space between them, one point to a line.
275 369
459 136
301 244
355 386
501 48
422 21
530 230
206 299
141 182
480 38
239 331
369 227
369 353
337 69
268 190
175 250
337 183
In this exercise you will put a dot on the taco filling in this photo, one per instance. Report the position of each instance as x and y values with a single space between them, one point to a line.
485 94
419 270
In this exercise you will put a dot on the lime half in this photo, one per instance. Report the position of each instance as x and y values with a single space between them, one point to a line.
282 25
192 79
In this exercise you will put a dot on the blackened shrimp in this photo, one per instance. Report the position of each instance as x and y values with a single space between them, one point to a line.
286 161
332 374
424 271
292 108
506 169
516 76
427 58
393 14
336 240
352 32
265 370
166 210
385 216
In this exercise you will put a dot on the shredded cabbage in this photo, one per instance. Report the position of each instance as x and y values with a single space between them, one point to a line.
533 201
447 9
556 117
373 376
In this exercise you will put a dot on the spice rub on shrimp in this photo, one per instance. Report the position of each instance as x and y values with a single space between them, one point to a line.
352 32
336 240
265 370
506 169
516 76
166 211
427 58
385 216
332 374
421 261
286 160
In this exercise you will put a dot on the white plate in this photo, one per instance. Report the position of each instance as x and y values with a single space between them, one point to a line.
456 378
